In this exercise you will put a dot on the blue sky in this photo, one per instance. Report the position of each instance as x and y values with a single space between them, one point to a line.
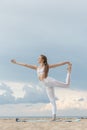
55 28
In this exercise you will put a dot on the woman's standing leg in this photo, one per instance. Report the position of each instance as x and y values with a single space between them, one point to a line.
51 96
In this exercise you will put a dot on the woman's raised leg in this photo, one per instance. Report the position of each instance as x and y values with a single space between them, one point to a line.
67 82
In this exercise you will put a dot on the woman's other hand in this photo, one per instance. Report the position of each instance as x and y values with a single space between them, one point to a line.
13 61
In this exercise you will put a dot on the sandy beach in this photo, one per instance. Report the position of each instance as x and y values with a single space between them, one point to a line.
44 124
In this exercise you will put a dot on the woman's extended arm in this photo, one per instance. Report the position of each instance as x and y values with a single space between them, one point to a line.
25 65
59 64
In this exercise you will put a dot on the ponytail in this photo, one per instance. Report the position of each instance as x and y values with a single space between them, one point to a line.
46 69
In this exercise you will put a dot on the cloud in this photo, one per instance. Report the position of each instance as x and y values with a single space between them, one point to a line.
6 97
33 100
34 94
66 105
30 93
37 110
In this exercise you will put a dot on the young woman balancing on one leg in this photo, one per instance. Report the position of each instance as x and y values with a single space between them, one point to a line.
50 83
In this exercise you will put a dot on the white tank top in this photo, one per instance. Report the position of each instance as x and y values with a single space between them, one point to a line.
40 71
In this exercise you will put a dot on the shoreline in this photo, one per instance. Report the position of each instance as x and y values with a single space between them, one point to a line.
13 117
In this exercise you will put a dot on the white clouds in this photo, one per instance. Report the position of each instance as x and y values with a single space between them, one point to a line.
37 110
32 93
6 97
17 88
70 99
2 92
22 93
35 100
72 104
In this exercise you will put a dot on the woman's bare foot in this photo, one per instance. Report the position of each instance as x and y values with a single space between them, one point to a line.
69 68
53 118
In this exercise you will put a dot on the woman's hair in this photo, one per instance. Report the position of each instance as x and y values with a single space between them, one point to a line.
46 64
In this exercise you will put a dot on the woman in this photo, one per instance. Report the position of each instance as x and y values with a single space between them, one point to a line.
50 83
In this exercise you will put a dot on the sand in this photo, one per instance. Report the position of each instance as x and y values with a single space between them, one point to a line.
11 124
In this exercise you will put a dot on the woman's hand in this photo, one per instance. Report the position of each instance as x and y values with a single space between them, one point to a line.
13 61
69 63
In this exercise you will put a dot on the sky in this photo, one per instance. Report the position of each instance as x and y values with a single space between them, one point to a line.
57 29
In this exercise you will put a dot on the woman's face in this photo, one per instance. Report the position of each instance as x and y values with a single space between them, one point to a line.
40 59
